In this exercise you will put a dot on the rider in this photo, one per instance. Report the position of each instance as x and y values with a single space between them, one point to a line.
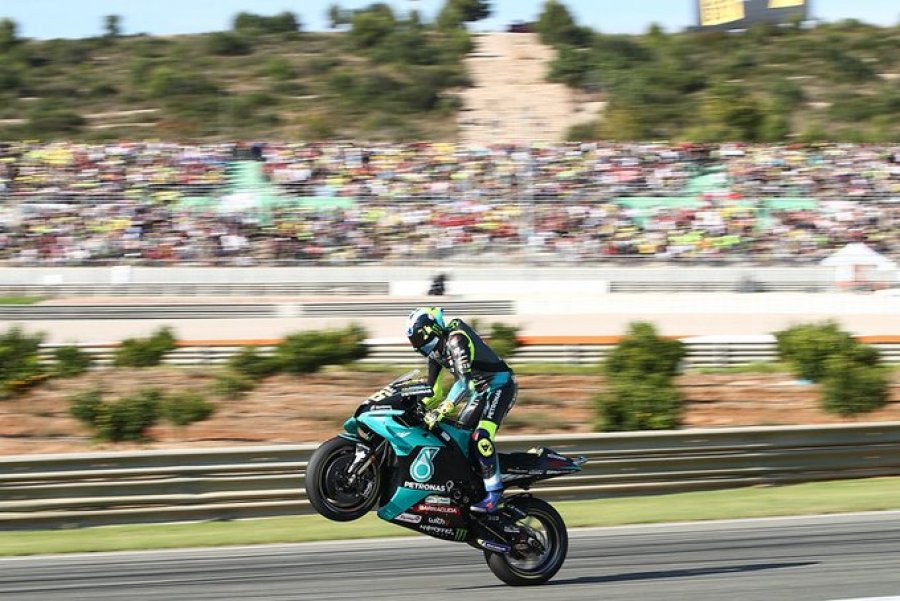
480 374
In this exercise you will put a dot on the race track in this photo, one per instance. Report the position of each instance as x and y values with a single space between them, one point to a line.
800 559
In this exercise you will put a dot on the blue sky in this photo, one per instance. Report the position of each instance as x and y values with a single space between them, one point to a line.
81 18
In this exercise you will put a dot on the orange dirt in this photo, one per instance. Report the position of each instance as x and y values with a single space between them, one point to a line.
290 410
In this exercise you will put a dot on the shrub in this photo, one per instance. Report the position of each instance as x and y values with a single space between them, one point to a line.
850 387
807 347
186 408
651 403
20 364
641 352
231 385
640 394
504 339
307 352
248 362
86 406
145 352
128 418
223 43
71 361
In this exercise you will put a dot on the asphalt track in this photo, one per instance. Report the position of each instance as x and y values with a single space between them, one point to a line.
822 558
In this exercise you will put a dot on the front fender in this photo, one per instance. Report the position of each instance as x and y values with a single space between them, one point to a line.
351 430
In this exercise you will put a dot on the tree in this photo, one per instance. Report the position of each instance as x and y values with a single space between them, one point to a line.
556 26
8 34
370 26
285 22
112 26
337 16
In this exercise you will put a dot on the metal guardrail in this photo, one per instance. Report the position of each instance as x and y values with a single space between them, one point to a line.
197 289
699 354
240 311
56 491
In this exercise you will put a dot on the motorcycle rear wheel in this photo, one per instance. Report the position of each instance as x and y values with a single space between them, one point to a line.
327 485
538 566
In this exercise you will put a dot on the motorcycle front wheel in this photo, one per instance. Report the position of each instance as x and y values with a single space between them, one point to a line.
548 544
328 485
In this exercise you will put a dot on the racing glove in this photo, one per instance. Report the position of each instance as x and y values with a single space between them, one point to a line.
433 417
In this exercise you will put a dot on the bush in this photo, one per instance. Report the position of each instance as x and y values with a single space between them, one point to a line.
231 385
504 339
248 362
641 352
71 361
128 418
641 394
20 365
307 352
807 347
186 408
145 352
651 403
850 388
223 43
86 406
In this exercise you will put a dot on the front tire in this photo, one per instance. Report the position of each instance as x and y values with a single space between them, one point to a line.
327 485
541 563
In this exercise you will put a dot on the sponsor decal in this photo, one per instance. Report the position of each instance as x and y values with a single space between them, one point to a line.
439 509
511 529
491 546
422 469
380 407
408 518
485 447
425 486
437 530
461 534
437 520
436 500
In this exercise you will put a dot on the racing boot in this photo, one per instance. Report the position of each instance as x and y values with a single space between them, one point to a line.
490 503
490 471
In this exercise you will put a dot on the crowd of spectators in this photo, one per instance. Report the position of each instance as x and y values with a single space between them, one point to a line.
429 202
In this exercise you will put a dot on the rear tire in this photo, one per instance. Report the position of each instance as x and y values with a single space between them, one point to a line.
536 568
326 482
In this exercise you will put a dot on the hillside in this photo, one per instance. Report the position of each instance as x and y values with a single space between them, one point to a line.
385 77
511 99
235 85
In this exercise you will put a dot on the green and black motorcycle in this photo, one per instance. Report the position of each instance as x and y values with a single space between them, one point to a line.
422 479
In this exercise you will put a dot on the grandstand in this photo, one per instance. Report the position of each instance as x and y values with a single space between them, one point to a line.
344 203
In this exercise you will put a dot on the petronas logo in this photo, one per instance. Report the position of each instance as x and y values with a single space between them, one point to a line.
422 469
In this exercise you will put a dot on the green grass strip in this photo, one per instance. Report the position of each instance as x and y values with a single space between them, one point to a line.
20 300
873 494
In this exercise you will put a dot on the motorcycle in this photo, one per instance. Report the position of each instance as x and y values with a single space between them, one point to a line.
422 479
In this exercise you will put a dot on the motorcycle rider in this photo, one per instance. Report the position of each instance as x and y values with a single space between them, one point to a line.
483 379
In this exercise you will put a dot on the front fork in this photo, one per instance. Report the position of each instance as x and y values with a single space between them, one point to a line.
365 457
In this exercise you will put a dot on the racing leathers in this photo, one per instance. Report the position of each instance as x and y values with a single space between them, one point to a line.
487 386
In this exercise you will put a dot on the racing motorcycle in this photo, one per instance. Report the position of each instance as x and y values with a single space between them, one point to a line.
422 479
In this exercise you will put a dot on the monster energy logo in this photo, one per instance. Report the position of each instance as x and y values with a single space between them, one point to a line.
422 469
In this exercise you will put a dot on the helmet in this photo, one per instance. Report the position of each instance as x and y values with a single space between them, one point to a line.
424 328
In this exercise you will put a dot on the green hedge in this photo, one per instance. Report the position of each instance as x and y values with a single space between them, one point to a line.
807 347
71 361
20 365
130 417
145 352
641 394
852 380
308 352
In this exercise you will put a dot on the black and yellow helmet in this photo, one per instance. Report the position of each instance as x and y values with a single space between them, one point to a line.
424 328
